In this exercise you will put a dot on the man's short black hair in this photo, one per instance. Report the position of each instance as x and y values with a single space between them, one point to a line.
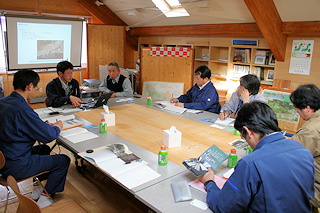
203 71
63 66
23 78
306 95
251 83
258 117
114 64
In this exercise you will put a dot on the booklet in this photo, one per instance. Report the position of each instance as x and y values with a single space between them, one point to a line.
212 157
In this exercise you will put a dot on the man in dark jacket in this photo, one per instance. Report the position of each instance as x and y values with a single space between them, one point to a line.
63 89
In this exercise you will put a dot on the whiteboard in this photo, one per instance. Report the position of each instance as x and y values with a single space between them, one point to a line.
160 90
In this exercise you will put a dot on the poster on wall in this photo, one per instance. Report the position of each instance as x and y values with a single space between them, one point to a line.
301 57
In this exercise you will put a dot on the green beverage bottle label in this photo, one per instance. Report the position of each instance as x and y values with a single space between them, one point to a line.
163 158
232 161
103 128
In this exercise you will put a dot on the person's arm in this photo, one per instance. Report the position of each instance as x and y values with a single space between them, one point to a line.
235 196
55 98
308 139
232 104
206 98
186 97
127 89
38 129
103 87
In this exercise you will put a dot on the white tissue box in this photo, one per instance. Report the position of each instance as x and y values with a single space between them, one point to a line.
110 118
172 139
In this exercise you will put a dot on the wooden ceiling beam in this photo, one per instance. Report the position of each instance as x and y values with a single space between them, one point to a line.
102 12
248 29
301 28
270 24
108 17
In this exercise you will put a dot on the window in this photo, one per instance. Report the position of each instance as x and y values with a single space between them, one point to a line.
171 8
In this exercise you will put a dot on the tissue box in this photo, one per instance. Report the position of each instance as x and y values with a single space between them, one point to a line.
172 139
110 118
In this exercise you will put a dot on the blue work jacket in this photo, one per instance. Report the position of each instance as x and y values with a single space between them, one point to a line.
276 177
205 99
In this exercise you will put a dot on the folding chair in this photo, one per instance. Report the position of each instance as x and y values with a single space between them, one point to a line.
27 205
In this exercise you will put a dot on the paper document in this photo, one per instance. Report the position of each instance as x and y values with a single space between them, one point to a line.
77 134
68 121
129 174
225 122
197 184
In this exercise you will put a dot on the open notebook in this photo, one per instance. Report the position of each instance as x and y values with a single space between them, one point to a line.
129 174
166 105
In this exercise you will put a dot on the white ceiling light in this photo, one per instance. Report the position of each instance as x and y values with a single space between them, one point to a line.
171 8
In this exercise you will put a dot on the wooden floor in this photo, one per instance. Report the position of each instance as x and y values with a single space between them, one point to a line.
90 188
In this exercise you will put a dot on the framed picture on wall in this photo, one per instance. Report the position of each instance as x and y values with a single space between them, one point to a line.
272 60
270 75
260 60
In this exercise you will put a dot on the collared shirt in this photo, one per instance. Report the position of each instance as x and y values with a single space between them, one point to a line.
232 105
65 86
276 177
127 89
201 87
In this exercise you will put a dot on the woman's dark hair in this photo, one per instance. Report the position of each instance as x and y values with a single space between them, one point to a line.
306 95
258 117
203 71
251 83
23 78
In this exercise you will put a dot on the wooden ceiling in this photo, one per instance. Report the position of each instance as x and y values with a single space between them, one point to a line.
268 23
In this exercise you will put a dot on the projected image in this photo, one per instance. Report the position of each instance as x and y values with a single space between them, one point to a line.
50 49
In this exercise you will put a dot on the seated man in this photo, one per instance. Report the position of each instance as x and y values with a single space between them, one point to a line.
21 128
248 91
116 83
276 177
64 89
306 100
203 95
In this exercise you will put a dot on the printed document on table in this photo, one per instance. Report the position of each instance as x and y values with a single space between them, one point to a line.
225 122
77 134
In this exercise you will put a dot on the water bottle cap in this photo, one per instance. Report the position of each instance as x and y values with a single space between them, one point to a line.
103 120
163 147
233 151
149 95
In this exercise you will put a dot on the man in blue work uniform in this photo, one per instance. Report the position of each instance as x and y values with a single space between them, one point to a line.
20 128
203 95
276 177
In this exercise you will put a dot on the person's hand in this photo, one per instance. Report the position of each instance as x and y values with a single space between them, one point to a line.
207 176
245 95
174 100
75 101
223 115
113 95
59 124
179 104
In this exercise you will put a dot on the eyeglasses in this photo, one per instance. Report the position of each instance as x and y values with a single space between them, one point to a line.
37 88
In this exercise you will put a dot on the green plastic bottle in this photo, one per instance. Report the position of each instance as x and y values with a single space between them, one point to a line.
149 100
163 156
232 159
249 150
103 126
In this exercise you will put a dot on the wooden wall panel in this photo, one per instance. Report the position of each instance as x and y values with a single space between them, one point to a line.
282 68
70 7
45 78
167 69
105 45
